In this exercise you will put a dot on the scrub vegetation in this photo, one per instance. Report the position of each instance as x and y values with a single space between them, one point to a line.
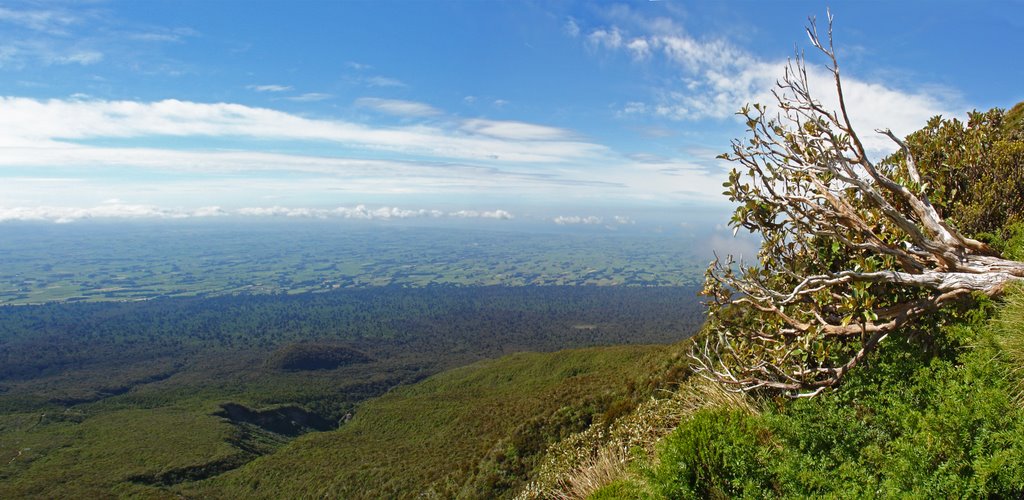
875 350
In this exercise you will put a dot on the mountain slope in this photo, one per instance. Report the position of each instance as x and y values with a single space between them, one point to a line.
471 432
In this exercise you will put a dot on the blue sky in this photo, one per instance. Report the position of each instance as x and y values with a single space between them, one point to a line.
565 113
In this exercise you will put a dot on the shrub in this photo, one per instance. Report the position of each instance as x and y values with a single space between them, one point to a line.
716 454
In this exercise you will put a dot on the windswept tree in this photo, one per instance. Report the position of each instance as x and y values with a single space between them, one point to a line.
852 250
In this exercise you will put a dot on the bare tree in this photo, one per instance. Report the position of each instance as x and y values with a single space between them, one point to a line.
852 250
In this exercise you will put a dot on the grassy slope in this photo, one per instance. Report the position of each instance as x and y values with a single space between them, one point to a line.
941 418
97 458
430 437
162 431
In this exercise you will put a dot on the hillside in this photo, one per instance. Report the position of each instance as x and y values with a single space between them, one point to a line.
471 432
926 419
474 432
869 359
102 399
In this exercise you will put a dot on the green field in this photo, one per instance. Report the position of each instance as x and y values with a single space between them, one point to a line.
44 263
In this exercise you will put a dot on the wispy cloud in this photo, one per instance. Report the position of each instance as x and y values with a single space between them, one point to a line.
309 97
162 35
33 37
47 125
19 54
487 214
89 146
397 107
114 209
717 78
383 81
369 80
571 28
62 215
50 21
269 88
605 38
593 220
84 58
563 220
513 130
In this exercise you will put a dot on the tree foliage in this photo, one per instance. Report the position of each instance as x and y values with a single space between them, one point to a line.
852 250
974 171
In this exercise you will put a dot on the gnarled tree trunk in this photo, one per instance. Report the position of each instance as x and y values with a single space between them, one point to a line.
852 250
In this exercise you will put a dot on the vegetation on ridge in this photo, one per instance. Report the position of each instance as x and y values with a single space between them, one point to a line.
936 410
933 417
853 251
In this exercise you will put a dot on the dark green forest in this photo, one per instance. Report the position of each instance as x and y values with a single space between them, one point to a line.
166 392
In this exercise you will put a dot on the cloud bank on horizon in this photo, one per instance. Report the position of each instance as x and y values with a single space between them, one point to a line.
115 209
608 108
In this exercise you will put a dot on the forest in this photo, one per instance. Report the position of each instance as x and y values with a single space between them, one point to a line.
246 374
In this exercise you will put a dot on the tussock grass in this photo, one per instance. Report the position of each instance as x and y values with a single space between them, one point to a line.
1008 327
607 465
582 464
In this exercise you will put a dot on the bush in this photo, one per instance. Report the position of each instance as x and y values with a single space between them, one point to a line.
715 454
934 416
975 171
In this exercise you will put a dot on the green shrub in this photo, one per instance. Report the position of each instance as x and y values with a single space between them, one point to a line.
715 454
932 416
974 170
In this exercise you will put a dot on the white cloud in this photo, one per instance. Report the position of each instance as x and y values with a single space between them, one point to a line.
83 58
563 220
397 107
719 78
571 28
212 211
83 150
620 219
269 88
357 212
634 107
492 214
49 21
383 81
607 39
309 97
162 35
512 130
640 48
37 132
114 209
372 80
19 54
62 215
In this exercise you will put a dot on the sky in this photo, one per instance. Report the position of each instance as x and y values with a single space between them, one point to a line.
561 113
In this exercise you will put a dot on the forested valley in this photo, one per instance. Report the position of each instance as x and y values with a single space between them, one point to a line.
267 368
